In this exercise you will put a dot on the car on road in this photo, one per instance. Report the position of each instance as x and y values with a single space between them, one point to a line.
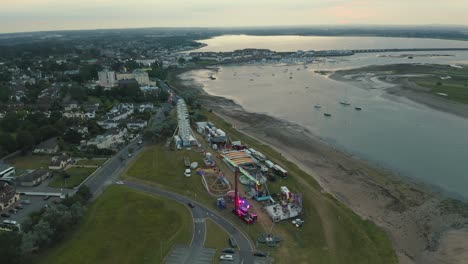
259 254
227 257
188 173
229 250
26 202
232 242
5 215
191 205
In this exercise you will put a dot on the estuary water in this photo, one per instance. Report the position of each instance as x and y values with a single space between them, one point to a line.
409 138
294 43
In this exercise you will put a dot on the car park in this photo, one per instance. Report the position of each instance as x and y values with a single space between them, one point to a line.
227 257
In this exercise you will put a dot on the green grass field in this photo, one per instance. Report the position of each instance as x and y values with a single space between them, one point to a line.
77 175
216 237
92 162
30 162
456 89
332 233
125 226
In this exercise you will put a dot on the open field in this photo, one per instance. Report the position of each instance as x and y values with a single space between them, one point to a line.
125 226
91 162
77 175
217 238
30 162
332 233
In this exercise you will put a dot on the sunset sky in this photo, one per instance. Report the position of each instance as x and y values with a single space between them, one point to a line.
36 15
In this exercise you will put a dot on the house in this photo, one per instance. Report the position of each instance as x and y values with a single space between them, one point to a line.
136 124
32 178
108 124
111 139
128 83
145 107
59 162
71 107
90 115
77 114
8 195
49 146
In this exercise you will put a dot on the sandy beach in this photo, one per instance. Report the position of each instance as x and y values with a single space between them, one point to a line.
417 220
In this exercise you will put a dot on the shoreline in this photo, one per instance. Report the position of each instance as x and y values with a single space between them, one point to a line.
398 86
411 214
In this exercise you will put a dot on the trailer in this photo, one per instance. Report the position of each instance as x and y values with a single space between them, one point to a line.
280 171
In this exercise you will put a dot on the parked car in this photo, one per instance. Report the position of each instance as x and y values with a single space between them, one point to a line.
188 173
227 257
5 215
46 198
259 254
13 211
298 222
26 202
228 250
19 207
232 242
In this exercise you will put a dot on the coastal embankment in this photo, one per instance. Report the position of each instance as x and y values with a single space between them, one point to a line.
423 226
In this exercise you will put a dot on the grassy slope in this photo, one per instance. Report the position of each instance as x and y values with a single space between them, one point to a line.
93 162
332 233
125 226
216 237
77 175
30 162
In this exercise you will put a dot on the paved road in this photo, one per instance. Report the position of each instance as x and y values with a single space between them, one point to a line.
111 170
200 213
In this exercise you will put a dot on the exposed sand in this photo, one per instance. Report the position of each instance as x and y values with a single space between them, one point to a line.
410 213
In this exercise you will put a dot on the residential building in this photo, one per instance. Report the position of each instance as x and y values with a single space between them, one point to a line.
49 146
136 124
111 139
128 83
8 195
78 114
60 162
107 78
140 76
32 178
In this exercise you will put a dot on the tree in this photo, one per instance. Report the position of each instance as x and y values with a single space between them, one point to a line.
10 245
84 194
72 136
10 122
7 142
24 140
28 243
43 232
5 94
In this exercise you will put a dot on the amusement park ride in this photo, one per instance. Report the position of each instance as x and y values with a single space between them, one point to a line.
241 206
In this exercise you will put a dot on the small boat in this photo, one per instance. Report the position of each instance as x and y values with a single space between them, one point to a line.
358 108
290 77
327 114
345 103
317 106
251 80
212 77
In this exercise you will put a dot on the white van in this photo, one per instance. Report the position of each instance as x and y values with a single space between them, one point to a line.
226 257
188 173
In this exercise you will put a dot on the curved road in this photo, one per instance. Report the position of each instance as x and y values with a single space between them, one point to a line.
200 212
